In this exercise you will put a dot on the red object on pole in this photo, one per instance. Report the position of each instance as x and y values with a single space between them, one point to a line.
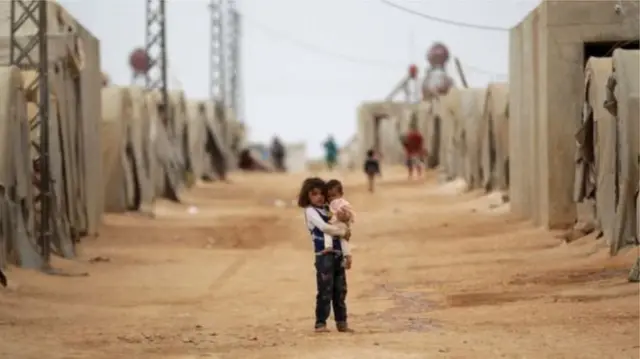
413 71
139 61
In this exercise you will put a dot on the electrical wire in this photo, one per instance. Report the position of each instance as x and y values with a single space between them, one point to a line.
320 50
444 21
360 61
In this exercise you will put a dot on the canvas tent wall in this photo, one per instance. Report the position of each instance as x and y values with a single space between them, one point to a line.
17 237
625 105
380 125
118 154
169 174
595 176
219 157
546 78
197 138
447 109
471 109
143 122
296 160
348 153
75 84
493 140
429 126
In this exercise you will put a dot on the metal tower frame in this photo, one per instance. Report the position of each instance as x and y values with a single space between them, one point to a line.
29 51
156 49
217 78
234 65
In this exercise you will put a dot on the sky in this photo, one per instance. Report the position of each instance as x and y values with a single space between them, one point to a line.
308 64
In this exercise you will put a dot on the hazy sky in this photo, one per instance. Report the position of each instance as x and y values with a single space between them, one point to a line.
307 64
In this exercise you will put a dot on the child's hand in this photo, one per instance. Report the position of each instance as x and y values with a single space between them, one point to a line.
347 235
343 216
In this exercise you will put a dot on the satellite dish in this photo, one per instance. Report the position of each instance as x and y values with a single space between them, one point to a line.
139 61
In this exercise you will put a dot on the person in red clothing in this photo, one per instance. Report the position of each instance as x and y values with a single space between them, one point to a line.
414 148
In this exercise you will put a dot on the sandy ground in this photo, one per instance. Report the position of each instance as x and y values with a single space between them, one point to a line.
436 275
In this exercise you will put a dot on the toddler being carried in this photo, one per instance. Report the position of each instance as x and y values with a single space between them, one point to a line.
342 216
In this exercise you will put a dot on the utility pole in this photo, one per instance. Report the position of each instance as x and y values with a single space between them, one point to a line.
29 51
217 78
156 50
235 66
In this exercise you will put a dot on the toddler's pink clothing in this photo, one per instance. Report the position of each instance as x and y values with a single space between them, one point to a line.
341 204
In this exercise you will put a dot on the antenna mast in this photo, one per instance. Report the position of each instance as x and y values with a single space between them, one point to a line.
156 50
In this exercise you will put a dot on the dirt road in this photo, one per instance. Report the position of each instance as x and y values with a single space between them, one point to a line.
436 275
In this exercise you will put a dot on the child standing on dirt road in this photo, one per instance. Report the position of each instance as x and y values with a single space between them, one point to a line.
371 169
331 277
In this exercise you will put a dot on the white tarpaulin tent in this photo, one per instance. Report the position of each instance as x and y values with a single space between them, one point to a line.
75 82
625 105
493 141
17 237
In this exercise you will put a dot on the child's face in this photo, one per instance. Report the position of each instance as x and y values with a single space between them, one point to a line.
333 193
316 197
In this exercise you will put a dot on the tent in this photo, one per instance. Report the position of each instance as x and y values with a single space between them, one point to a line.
429 125
119 160
296 160
472 103
219 155
595 176
624 103
379 127
167 142
197 138
447 109
493 138
17 212
74 83
142 142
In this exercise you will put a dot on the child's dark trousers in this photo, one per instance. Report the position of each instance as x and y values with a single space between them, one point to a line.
331 279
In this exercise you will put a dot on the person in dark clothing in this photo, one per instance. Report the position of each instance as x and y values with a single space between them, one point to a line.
3 279
371 169
331 277
278 154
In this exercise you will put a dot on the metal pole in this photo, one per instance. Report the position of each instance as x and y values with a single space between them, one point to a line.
25 17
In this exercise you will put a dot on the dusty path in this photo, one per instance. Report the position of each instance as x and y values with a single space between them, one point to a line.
435 276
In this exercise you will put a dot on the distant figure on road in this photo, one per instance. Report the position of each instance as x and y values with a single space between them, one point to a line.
331 152
278 154
371 169
414 148
3 279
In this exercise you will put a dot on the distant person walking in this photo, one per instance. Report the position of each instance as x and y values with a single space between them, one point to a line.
331 152
278 154
414 149
372 169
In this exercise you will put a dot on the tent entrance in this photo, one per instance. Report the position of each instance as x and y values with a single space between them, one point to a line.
605 48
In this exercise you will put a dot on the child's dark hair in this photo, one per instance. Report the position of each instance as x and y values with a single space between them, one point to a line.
334 183
309 185
370 153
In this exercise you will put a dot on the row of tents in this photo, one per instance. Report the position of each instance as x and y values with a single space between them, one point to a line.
111 148
465 132
572 101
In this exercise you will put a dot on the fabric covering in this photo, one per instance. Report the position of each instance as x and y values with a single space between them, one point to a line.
625 106
118 153
17 213
595 177
493 138
380 124
75 81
